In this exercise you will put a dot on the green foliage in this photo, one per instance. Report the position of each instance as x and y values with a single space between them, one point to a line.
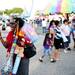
17 10
1 12
10 11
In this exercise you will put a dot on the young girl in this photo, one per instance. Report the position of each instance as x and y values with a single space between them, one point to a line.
47 45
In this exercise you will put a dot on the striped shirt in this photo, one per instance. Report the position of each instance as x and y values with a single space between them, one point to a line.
57 33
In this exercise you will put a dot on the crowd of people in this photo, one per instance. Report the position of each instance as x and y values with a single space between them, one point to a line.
58 35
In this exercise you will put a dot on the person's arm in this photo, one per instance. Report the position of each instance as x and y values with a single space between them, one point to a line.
53 33
52 42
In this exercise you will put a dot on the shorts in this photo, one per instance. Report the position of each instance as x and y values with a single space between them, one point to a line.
74 39
58 43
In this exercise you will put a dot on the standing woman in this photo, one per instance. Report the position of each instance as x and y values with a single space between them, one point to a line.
24 63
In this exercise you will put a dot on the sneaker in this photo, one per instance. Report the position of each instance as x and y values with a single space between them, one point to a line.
41 60
52 60
65 51
69 49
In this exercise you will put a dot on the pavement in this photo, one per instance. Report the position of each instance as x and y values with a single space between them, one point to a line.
64 66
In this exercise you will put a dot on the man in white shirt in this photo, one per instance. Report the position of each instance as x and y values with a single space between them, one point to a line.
66 30
44 25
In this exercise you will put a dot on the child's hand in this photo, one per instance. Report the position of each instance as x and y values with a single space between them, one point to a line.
52 43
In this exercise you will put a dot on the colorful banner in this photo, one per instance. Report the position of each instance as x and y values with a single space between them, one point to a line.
63 6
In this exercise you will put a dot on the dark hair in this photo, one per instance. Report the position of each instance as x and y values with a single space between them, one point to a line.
21 22
56 22
43 19
73 20
51 23
65 21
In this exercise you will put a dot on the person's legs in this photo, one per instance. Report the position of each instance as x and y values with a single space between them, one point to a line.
45 52
49 52
65 47
56 54
74 42
68 43
41 58
23 67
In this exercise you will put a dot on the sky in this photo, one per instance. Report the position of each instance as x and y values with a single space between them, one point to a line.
37 4
30 5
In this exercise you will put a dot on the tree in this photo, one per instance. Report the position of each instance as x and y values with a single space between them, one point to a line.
17 10
1 12
14 10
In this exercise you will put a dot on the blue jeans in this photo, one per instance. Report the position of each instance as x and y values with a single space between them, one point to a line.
44 29
47 51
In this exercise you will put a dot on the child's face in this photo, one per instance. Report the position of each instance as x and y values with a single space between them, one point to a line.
66 23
